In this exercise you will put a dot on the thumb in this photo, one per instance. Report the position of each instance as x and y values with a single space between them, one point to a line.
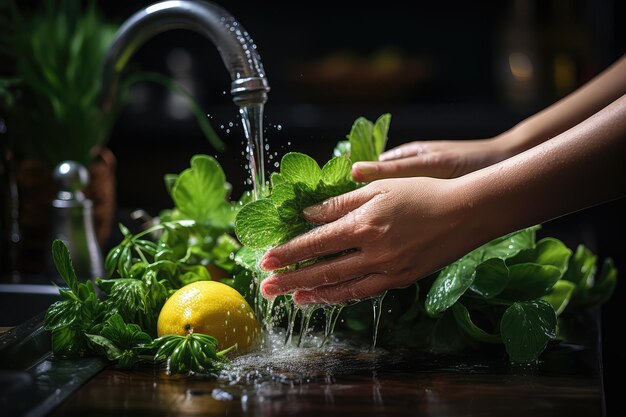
416 166
336 207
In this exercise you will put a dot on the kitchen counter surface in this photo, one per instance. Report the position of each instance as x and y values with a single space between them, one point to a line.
566 382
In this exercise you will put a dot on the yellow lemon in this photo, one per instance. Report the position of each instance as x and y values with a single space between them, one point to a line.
211 308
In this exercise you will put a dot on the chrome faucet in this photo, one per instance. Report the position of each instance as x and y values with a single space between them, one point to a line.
238 51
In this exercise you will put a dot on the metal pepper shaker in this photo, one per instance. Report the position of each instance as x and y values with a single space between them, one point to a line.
73 219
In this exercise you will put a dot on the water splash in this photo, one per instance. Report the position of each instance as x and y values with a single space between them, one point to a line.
377 306
290 363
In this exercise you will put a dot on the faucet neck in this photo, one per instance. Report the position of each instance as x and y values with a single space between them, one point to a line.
238 51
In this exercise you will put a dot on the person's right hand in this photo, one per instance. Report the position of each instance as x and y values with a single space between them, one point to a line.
437 159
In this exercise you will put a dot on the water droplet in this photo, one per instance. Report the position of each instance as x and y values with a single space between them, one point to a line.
279 127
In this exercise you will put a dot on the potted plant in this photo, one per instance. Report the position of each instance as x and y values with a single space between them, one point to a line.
49 99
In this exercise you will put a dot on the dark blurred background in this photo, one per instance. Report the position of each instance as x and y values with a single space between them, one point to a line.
444 70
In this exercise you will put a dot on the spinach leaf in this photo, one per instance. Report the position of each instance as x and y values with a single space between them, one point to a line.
560 295
526 329
450 285
528 281
464 320
548 251
492 277
458 277
581 269
590 289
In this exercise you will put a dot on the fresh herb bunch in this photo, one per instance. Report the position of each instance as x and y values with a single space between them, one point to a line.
190 238
143 270
81 325
509 291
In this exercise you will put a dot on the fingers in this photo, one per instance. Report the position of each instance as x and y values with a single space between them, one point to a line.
324 240
358 289
403 151
427 165
344 268
336 207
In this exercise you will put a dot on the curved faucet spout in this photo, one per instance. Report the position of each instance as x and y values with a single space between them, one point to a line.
249 84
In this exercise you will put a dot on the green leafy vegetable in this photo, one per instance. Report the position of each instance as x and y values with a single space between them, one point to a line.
463 319
526 329
455 279
77 312
145 268
194 352
509 286
301 183
120 342
560 295
366 140
492 277
200 192
508 291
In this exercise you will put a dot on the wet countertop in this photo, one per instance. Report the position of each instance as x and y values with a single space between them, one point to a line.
434 393
346 377
567 381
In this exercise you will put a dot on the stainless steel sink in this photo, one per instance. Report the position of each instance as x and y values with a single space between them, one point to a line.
32 381
21 302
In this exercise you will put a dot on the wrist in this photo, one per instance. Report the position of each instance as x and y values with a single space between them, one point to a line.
485 210
515 140
473 212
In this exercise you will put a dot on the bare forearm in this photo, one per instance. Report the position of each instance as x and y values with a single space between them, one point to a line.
581 167
571 110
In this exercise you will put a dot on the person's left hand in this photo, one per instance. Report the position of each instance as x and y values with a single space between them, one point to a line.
388 234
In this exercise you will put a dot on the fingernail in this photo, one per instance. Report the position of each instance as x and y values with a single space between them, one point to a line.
269 263
365 168
303 298
269 290
312 211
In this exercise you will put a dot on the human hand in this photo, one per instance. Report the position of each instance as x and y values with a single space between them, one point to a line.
387 235
438 159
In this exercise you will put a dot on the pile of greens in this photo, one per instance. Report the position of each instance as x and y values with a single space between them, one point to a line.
190 241
508 292
49 81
